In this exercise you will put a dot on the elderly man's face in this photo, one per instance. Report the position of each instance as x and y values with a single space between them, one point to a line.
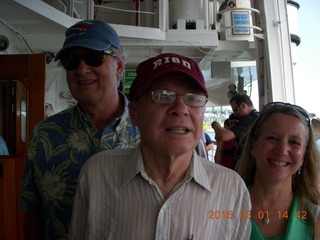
169 128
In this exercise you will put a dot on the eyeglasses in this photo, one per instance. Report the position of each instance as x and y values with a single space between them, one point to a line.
301 110
235 109
71 61
163 96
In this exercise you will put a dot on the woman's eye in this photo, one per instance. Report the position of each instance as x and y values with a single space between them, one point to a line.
295 142
271 138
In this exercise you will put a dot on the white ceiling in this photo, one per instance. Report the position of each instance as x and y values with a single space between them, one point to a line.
41 27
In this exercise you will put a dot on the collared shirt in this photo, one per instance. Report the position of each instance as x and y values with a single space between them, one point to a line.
116 199
59 146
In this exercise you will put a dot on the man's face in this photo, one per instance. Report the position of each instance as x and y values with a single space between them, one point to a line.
238 109
92 85
169 129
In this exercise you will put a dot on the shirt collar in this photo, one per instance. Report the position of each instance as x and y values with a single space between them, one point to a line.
118 123
195 172
125 115
198 173
134 166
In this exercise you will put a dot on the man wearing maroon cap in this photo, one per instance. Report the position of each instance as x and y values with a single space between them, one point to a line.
161 189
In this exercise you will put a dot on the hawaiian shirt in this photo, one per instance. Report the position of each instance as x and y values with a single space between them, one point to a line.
58 148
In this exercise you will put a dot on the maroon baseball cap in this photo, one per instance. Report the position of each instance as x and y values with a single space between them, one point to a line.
155 67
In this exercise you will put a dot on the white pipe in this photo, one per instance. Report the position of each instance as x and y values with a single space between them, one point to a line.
90 9
206 14
163 15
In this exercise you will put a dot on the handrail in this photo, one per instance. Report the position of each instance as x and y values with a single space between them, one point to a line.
239 9
125 10
239 26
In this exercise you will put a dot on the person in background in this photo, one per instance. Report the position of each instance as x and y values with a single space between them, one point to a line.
226 150
61 144
3 147
246 114
201 147
48 110
315 122
161 189
209 142
280 165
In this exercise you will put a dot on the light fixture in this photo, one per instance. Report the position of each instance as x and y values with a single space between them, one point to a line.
4 43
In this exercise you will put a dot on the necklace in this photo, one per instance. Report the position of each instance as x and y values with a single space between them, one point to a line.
266 218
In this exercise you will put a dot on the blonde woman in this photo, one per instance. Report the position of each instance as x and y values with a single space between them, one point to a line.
280 165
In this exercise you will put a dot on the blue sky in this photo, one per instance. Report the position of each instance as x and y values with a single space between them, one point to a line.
306 72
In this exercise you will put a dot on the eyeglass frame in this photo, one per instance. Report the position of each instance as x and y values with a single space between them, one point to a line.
176 95
81 57
236 108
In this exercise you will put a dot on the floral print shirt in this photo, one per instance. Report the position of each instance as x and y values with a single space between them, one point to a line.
58 148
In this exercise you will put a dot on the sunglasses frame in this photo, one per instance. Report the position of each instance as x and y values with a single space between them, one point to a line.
92 58
301 110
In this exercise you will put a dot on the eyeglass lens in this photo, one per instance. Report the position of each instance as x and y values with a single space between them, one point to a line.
236 108
162 96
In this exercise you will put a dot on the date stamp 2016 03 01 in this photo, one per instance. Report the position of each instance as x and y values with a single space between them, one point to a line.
260 215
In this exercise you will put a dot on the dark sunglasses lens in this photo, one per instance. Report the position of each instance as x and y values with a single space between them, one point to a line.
71 61
93 59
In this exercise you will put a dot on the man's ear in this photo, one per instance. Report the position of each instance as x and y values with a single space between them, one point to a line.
120 68
133 113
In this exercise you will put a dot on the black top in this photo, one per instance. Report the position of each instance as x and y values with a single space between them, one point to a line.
208 139
241 129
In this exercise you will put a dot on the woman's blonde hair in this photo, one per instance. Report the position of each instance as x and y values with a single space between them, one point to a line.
306 184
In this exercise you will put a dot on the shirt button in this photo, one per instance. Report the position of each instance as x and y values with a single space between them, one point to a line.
164 206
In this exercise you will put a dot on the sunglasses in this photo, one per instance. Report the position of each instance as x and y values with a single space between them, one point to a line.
92 58
301 110
162 96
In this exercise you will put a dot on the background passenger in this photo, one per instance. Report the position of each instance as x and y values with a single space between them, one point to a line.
226 150
245 112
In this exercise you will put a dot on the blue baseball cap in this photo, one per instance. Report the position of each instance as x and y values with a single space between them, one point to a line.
92 34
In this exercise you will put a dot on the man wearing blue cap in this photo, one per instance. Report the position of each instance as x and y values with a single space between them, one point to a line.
62 143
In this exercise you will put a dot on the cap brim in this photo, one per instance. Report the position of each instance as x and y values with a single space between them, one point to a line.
86 43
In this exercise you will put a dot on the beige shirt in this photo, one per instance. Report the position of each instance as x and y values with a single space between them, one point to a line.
116 199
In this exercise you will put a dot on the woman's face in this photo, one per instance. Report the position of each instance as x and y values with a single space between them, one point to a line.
280 148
